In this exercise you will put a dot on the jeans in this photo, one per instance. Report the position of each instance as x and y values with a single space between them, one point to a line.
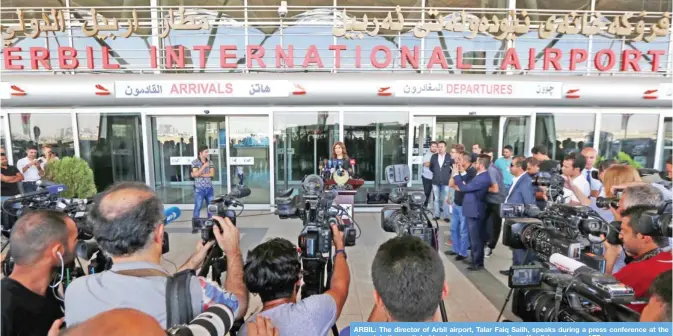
460 235
427 189
494 224
200 195
441 192
477 239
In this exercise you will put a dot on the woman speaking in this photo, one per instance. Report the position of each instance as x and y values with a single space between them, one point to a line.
340 156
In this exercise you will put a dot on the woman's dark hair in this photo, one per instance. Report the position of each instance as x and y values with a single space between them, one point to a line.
272 269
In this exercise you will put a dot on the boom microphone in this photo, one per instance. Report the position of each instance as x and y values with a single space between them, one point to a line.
171 214
51 190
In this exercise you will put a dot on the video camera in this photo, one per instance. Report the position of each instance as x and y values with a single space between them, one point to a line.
219 206
43 198
408 216
554 182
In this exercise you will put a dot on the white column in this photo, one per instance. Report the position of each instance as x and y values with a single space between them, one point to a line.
247 42
531 133
75 132
421 63
501 138
590 43
660 142
410 145
272 163
147 142
155 41
597 132
8 139
227 134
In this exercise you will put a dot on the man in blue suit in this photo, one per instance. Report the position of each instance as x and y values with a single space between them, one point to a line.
474 208
521 192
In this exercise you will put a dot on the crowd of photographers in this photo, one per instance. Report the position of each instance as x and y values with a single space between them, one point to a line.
127 221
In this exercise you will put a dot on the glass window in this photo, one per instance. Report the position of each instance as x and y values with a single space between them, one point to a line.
173 144
516 133
37 129
564 133
211 132
421 145
375 140
112 145
302 141
634 135
469 131
249 158
668 142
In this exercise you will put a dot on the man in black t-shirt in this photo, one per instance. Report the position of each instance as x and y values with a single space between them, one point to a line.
41 241
541 154
10 177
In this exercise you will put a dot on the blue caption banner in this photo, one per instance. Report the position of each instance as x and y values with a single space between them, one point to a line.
511 329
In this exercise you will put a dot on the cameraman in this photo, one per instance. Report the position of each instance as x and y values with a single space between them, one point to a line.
409 282
649 261
540 153
658 309
273 270
41 241
128 224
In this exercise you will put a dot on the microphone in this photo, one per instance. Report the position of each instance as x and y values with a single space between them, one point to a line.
241 192
51 190
171 214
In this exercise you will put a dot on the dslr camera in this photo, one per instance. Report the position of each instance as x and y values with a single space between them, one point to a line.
407 216
220 206
610 202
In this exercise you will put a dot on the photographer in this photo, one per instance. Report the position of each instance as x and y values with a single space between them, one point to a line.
409 282
540 153
649 261
576 185
128 224
41 241
31 168
273 271
658 309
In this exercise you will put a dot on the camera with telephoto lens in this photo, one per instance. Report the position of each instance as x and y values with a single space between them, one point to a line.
610 202
220 206
407 216
563 238
215 321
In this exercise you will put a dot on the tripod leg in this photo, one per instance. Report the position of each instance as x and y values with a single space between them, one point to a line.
442 310
509 295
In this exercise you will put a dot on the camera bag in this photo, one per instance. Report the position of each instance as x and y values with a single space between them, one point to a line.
178 296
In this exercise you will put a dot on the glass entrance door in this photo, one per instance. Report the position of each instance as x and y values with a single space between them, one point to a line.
375 140
211 132
173 152
469 131
301 141
249 156
111 144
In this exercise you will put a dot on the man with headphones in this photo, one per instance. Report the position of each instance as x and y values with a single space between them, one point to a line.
643 241
41 241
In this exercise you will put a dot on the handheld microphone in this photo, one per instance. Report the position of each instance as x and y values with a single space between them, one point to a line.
329 166
171 214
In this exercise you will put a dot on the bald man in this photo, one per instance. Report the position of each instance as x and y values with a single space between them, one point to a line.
590 154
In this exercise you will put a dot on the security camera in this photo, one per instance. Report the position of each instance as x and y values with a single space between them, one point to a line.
282 9
206 111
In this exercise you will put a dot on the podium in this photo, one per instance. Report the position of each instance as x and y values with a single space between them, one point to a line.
345 195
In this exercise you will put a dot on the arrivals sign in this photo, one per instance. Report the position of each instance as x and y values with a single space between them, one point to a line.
202 89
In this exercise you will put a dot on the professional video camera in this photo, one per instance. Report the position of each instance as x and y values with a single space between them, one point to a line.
408 216
568 284
554 182
43 198
314 206
214 321
219 206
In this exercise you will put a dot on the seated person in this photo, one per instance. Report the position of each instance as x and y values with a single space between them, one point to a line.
273 270
658 309
409 282
649 261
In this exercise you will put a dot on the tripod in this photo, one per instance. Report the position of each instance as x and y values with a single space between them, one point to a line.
435 245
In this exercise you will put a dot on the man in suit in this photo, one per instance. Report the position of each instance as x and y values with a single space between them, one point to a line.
474 208
521 192
440 165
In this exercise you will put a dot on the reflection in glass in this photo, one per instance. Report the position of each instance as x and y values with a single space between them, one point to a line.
249 158
37 129
564 133
375 140
112 145
173 137
211 132
302 140
633 134
668 142
422 137
516 133
483 131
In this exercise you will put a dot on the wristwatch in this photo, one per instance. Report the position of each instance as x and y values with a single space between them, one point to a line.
340 251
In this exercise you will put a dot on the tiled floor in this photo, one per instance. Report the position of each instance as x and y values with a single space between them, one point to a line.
472 297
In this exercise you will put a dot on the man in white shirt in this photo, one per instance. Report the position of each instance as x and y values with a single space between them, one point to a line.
590 154
31 168
427 173
576 189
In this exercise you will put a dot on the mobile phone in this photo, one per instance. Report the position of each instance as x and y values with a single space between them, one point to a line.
594 174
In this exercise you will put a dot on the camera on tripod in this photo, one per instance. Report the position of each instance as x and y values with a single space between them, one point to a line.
407 216
220 206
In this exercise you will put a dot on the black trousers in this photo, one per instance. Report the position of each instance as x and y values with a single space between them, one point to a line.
427 188
494 222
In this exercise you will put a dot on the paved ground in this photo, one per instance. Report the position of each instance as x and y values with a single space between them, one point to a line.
473 296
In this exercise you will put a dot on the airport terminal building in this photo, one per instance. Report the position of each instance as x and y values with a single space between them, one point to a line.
135 87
